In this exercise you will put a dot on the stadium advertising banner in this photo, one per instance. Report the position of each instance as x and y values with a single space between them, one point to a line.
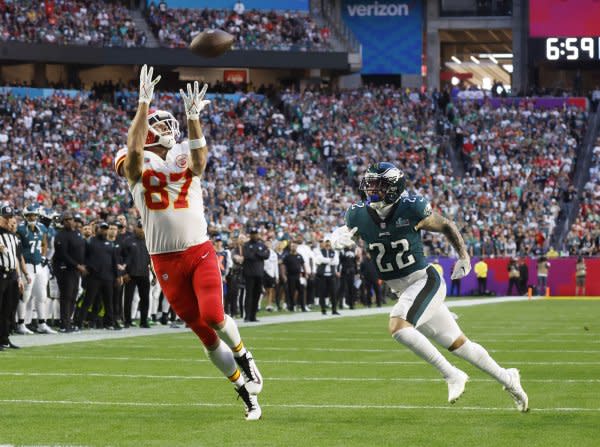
391 34
288 5
561 275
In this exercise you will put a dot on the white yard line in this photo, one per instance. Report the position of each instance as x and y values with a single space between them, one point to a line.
283 361
295 406
275 379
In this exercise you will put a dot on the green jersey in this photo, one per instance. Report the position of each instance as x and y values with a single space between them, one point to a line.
31 241
393 243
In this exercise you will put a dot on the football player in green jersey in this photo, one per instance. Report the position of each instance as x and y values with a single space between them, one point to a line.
390 222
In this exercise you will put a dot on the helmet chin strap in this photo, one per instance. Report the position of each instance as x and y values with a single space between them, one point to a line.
167 141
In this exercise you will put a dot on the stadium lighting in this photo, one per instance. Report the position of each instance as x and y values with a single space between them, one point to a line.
493 59
474 59
496 55
454 80
508 67
455 59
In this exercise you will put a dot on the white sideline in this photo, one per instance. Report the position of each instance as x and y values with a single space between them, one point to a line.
95 335
297 406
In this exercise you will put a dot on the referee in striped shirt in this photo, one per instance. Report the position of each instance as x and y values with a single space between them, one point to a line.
11 284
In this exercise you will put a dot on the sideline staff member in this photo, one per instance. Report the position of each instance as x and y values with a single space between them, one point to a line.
11 285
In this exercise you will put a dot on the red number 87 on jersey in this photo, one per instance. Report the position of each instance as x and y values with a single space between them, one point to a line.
156 193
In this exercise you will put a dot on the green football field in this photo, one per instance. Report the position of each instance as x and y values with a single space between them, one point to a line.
340 382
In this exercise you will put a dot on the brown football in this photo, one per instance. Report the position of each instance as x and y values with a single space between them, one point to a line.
212 43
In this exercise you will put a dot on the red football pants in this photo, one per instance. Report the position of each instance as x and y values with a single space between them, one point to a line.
191 282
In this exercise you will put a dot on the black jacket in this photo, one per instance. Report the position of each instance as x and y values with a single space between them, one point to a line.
69 251
294 264
101 258
348 261
368 270
136 257
255 254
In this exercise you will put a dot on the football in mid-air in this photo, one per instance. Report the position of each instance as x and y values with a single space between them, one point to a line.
212 43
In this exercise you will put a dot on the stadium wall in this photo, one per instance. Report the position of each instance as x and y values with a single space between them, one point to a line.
561 275
289 5
175 57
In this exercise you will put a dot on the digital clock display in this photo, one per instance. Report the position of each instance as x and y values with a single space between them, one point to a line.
573 48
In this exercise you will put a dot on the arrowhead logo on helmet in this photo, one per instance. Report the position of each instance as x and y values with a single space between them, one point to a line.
383 182
163 129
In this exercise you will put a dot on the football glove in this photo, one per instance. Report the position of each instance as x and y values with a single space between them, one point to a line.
343 237
147 84
461 268
193 101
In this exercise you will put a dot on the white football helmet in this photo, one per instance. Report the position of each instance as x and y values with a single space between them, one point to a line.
163 129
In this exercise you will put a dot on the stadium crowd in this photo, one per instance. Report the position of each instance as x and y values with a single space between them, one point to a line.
292 172
76 22
584 236
253 29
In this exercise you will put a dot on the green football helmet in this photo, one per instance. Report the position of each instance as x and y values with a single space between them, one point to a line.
383 182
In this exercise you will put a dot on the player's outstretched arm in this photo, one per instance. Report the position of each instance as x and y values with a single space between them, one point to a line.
136 137
194 103
439 224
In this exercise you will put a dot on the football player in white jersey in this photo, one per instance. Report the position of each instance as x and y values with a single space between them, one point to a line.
164 179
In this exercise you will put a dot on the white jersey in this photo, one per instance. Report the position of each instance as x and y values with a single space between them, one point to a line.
169 198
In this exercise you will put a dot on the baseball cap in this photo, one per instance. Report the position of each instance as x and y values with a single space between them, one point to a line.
103 225
139 223
252 230
119 224
78 217
218 237
7 211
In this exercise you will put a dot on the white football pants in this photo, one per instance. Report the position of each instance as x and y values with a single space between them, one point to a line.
35 294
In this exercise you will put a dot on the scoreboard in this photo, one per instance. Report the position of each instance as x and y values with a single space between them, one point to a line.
565 32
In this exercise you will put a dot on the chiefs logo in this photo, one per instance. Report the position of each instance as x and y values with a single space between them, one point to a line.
181 161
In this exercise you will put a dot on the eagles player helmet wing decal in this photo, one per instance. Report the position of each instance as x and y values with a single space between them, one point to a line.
383 182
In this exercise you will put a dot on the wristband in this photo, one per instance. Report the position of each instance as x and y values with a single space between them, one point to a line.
197 143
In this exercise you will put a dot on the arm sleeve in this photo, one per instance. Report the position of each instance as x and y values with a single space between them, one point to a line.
336 259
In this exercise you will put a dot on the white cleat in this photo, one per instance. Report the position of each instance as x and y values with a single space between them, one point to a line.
516 390
456 386
22 329
253 411
252 376
45 329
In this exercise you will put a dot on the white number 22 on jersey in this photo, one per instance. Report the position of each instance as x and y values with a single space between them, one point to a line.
403 258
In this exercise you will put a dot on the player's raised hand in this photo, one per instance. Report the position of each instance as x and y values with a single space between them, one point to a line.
343 237
147 84
461 268
194 101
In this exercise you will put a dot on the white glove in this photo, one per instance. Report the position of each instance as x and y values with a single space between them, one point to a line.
147 84
193 101
461 268
343 237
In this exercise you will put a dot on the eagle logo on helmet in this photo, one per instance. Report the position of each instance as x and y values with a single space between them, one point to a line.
163 129
383 182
